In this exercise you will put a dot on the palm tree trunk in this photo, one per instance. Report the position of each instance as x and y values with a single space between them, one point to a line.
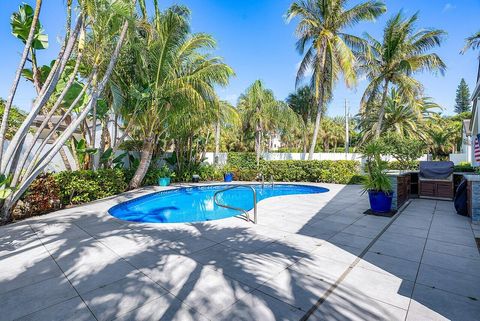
145 159
317 128
217 143
381 113
320 101
257 144
18 74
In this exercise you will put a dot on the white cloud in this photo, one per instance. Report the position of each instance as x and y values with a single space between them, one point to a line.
448 7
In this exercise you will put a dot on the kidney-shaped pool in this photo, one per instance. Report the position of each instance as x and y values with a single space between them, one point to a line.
196 204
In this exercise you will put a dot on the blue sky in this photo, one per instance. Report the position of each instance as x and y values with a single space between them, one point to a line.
255 40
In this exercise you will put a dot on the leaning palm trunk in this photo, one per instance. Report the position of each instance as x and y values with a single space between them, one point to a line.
13 90
145 159
39 166
381 113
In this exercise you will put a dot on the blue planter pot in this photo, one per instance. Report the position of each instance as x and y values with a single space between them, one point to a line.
228 177
164 181
380 202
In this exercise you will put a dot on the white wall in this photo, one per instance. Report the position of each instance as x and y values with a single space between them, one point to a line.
458 158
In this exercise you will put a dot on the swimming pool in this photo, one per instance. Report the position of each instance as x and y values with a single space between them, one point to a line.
196 204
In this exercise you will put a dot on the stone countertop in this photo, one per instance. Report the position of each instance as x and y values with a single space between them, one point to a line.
472 177
400 173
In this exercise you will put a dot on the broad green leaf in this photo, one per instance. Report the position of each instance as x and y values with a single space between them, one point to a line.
21 23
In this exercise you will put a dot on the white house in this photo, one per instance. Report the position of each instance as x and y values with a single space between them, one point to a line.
466 141
475 120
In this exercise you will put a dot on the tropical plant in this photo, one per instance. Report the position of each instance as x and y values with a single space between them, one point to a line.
376 178
403 52
472 42
15 119
326 47
302 102
226 116
259 109
25 168
405 149
462 98
402 116
171 77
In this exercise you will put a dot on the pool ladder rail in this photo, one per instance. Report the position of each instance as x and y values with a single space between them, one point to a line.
263 180
237 208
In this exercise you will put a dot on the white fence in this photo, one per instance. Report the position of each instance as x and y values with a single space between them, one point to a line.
222 157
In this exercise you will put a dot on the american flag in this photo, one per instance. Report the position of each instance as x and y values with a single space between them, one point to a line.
477 148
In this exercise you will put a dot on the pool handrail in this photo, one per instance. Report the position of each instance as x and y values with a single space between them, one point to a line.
237 208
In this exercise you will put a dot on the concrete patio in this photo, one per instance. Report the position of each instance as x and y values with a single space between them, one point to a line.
315 257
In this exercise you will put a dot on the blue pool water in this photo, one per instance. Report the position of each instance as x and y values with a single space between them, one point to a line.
195 204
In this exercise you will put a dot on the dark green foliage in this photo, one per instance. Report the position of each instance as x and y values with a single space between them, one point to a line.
464 167
462 99
242 160
410 165
85 186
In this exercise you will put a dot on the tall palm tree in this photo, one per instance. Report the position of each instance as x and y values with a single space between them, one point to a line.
326 48
258 106
172 75
403 52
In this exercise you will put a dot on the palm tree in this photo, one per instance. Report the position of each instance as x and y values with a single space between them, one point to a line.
172 76
258 106
225 115
402 54
472 42
302 102
402 116
326 48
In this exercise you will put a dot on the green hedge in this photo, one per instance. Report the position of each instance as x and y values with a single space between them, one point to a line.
326 171
83 186
245 161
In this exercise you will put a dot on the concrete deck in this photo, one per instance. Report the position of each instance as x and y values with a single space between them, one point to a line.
314 256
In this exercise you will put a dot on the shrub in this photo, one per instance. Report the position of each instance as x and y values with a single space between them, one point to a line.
242 161
410 165
464 167
85 186
340 172
42 196
209 172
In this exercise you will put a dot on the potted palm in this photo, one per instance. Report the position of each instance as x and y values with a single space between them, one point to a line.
165 175
377 182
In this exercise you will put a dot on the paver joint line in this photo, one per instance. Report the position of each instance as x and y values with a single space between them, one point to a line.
332 288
